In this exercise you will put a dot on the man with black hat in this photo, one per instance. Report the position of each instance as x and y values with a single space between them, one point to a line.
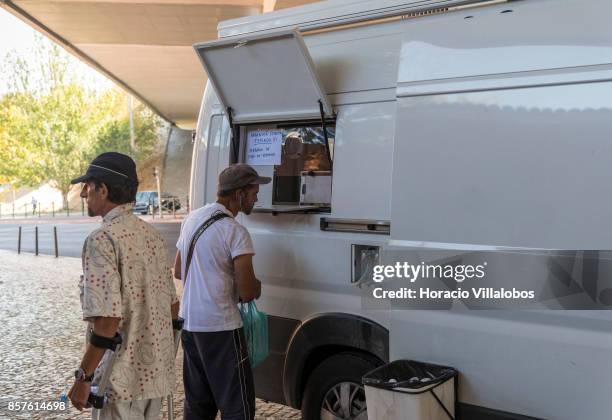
126 288
215 253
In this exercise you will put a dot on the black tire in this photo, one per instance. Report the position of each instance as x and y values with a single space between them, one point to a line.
343 367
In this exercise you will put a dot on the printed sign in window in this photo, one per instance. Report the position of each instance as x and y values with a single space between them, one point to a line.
264 147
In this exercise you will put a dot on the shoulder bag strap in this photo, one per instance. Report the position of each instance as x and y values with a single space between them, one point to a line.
196 236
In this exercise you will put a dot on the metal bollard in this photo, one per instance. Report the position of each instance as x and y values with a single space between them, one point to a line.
19 241
36 240
67 209
53 208
39 210
55 241
25 211
82 207
13 210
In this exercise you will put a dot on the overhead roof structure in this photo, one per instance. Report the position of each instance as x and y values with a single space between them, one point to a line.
145 46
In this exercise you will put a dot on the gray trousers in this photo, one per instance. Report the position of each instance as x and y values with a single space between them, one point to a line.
132 410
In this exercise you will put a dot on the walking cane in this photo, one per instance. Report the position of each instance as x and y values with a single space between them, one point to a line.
97 397
177 326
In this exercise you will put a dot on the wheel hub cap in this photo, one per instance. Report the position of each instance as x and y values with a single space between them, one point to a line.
344 401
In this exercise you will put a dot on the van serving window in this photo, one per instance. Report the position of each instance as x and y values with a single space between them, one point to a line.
284 125
298 157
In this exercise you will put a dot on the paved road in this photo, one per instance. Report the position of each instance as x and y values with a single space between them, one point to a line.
71 234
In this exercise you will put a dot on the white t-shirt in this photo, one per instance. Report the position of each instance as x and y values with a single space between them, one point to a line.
210 296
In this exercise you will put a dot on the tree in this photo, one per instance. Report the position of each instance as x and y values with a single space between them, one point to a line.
49 137
48 120
115 135
15 158
45 68
52 125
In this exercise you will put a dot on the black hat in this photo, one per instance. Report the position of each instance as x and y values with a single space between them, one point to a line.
110 168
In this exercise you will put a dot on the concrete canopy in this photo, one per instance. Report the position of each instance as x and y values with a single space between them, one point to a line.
144 46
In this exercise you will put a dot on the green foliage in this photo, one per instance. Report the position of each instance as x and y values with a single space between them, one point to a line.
115 135
52 125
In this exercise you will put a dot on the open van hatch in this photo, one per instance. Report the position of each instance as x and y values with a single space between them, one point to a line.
264 78
280 119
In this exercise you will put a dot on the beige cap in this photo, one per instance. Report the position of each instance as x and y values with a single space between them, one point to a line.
240 175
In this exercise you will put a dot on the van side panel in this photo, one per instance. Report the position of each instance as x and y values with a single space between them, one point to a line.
519 168
517 157
305 272
363 162
501 163
552 365
358 59
507 38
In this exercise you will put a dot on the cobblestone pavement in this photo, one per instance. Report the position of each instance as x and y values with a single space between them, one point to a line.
41 338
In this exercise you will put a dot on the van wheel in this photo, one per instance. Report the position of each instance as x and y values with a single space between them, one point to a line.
334 390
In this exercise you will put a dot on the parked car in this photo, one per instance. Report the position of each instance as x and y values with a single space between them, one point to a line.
147 200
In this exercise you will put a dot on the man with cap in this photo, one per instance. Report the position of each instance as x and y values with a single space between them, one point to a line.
217 274
126 289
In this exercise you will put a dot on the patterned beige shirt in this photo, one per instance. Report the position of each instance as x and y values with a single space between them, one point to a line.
126 276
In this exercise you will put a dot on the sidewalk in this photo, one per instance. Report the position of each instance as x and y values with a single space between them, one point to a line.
42 338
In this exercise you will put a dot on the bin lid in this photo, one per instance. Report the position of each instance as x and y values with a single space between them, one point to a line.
265 77
408 376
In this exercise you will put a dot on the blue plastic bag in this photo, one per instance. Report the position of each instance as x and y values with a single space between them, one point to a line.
255 331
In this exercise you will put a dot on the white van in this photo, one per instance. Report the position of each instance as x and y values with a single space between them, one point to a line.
389 125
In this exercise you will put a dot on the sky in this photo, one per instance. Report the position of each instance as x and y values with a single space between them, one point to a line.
18 36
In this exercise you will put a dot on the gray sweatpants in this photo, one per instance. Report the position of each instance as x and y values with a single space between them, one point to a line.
132 410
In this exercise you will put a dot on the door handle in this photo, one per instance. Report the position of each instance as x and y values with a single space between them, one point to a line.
363 260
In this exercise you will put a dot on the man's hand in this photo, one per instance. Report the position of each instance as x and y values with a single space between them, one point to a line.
79 393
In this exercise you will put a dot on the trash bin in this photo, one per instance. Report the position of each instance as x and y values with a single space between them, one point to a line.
411 390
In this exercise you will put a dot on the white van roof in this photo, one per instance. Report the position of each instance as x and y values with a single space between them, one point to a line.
330 13
449 54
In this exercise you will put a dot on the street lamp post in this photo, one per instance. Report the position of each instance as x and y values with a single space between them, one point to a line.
159 199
